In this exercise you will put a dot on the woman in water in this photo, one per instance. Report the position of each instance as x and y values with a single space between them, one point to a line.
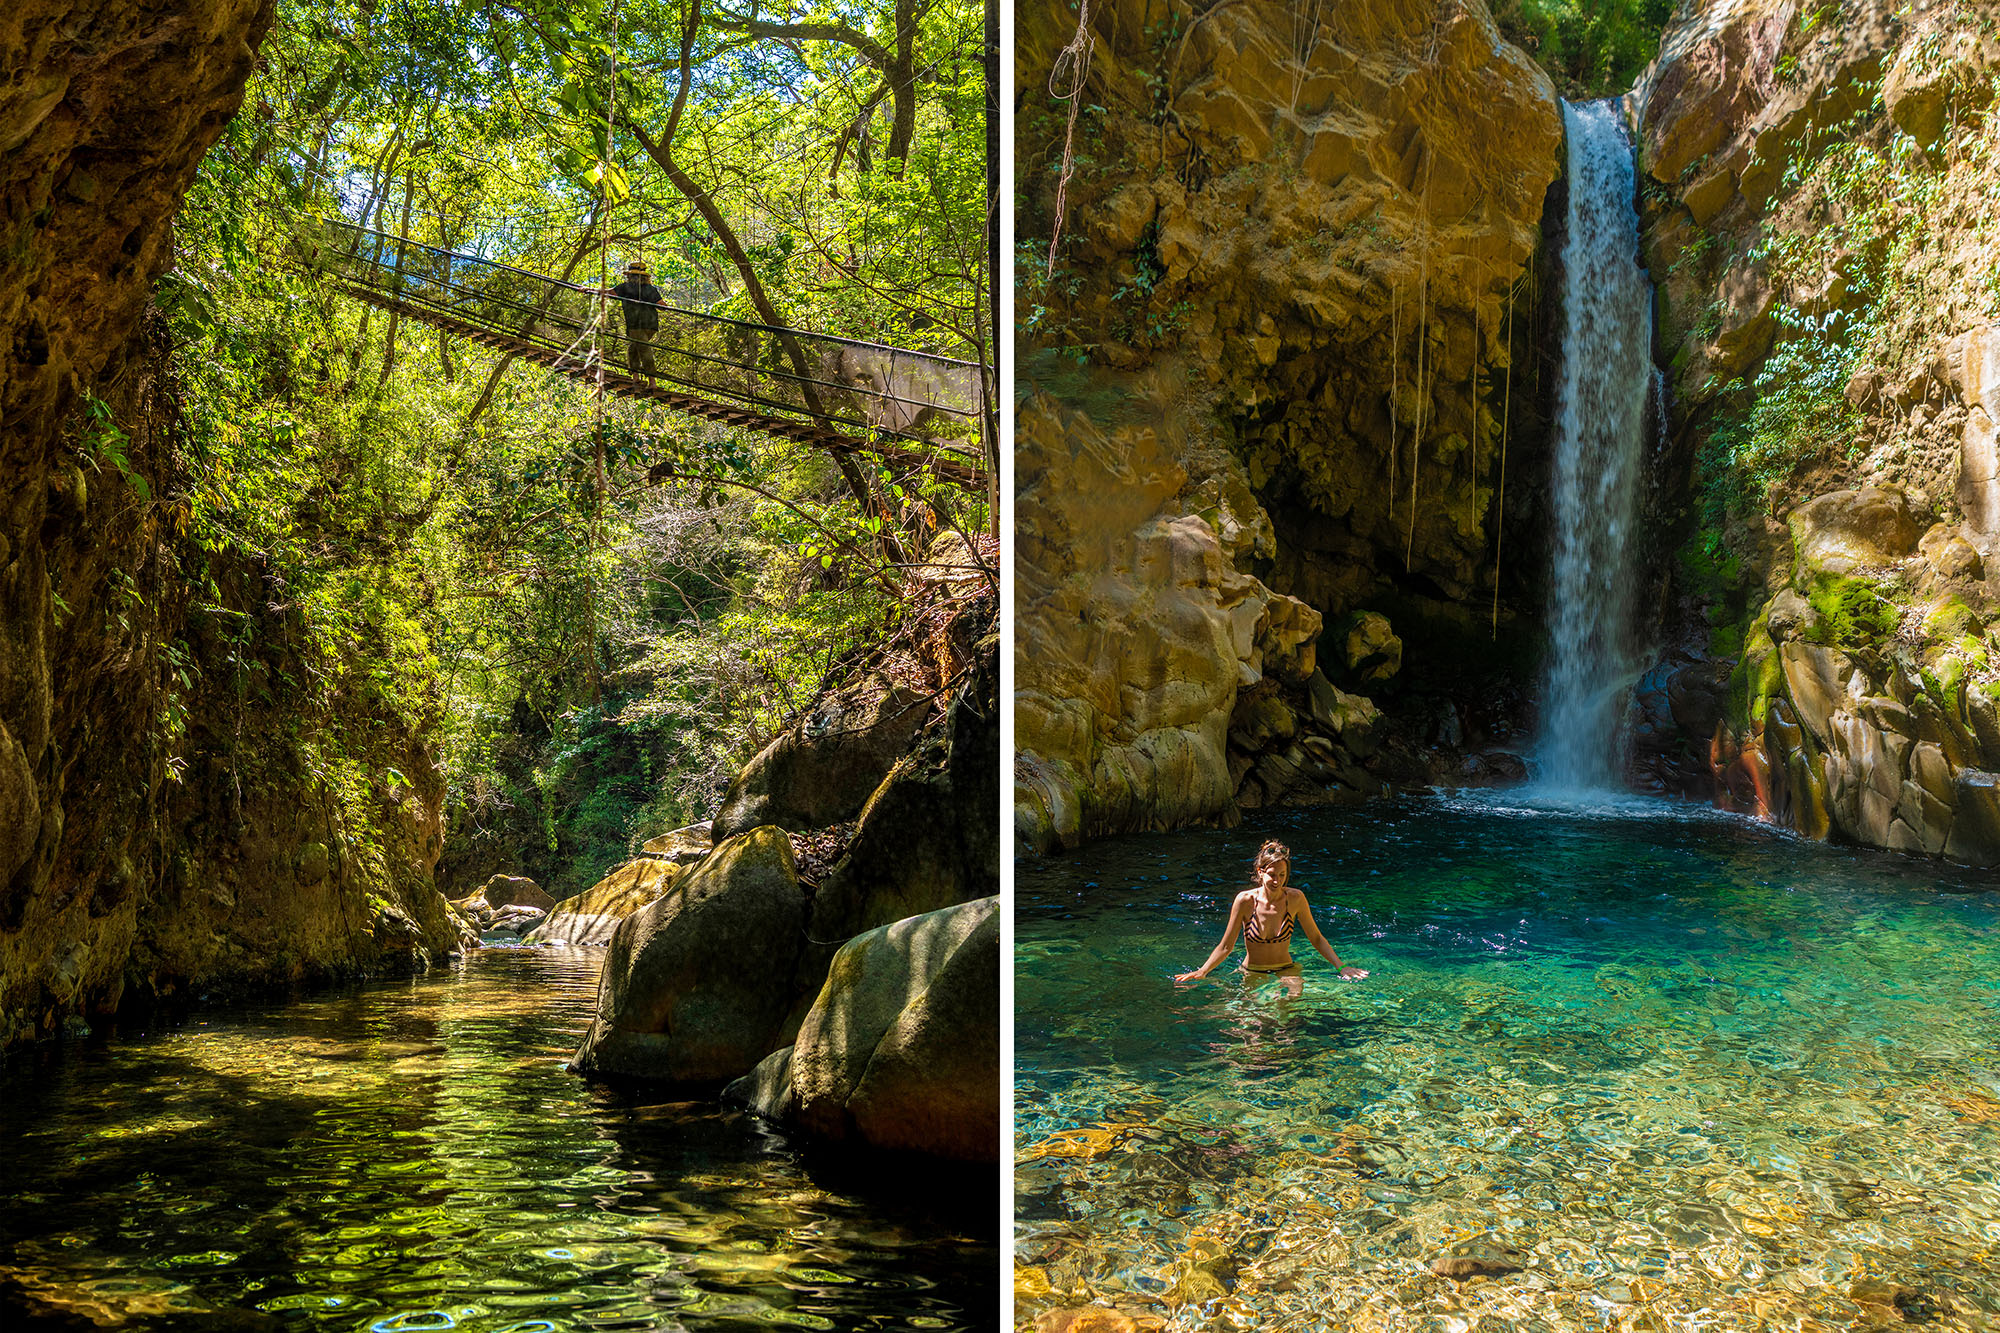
1265 913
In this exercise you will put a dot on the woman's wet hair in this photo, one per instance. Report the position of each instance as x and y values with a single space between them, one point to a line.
1269 856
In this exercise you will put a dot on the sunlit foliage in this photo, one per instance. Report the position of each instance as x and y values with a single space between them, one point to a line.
473 547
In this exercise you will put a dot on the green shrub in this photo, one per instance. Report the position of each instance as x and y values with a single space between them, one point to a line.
1591 48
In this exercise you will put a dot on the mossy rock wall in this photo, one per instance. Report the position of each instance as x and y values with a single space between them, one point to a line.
178 814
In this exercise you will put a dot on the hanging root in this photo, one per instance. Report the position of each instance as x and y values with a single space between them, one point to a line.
1472 471
1423 359
1500 503
1071 68
1395 359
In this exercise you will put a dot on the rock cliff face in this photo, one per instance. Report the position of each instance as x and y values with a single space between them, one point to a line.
161 830
1265 387
1821 213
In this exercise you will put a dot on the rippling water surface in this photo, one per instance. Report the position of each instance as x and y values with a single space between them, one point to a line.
1623 1068
412 1156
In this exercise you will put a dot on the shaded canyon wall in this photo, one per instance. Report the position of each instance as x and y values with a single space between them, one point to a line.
170 819
1259 453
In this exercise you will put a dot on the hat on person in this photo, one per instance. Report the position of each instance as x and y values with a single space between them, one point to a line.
637 266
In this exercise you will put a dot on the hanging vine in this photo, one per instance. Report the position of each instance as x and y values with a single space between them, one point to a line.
1506 415
1075 59
1423 356
1395 361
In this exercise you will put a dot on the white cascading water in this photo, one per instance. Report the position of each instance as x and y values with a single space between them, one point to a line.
1599 447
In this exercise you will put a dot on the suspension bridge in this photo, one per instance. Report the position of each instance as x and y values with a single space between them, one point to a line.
915 411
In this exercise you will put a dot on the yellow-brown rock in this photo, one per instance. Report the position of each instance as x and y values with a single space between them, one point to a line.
1132 633
591 916
682 845
1711 79
1940 79
1845 531
1276 332
1741 95
1314 229
1821 228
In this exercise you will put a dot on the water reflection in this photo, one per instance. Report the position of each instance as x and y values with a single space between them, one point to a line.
1609 1070
413 1156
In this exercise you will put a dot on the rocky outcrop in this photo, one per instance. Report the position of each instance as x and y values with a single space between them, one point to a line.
508 903
514 891
1857 748
162 830
929 834
724 973
1134 633
591 916
1852 713
901 1049
1265 389
687 995
1837 378
1941 81
682 846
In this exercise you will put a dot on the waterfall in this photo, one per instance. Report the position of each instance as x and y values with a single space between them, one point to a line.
1599 443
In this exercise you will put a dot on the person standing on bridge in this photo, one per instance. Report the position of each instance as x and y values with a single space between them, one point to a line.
640 300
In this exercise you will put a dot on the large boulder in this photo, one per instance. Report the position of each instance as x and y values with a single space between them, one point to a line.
591 916
1371 648
505 902
693 989
1842 532
515 891
682 845
517 920
821 770
902 1047
928 838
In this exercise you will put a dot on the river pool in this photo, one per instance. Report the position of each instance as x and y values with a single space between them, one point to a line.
1637 1066
408 1156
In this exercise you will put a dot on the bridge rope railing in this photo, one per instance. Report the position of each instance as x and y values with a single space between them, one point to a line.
850 387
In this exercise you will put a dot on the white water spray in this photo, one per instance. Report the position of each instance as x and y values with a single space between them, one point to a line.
1600 440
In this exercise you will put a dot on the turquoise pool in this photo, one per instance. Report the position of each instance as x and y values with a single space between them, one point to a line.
1638 1066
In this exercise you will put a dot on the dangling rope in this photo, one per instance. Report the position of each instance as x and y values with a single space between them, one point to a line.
1077 57
1478 417
1423 358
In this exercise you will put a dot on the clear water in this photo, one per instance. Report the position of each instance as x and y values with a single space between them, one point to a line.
412 1156
1680 1071
1599 450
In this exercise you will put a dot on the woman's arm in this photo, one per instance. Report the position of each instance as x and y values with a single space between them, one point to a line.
1222 949
1319 940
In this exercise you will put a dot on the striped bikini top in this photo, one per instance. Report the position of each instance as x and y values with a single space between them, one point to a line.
1284 932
